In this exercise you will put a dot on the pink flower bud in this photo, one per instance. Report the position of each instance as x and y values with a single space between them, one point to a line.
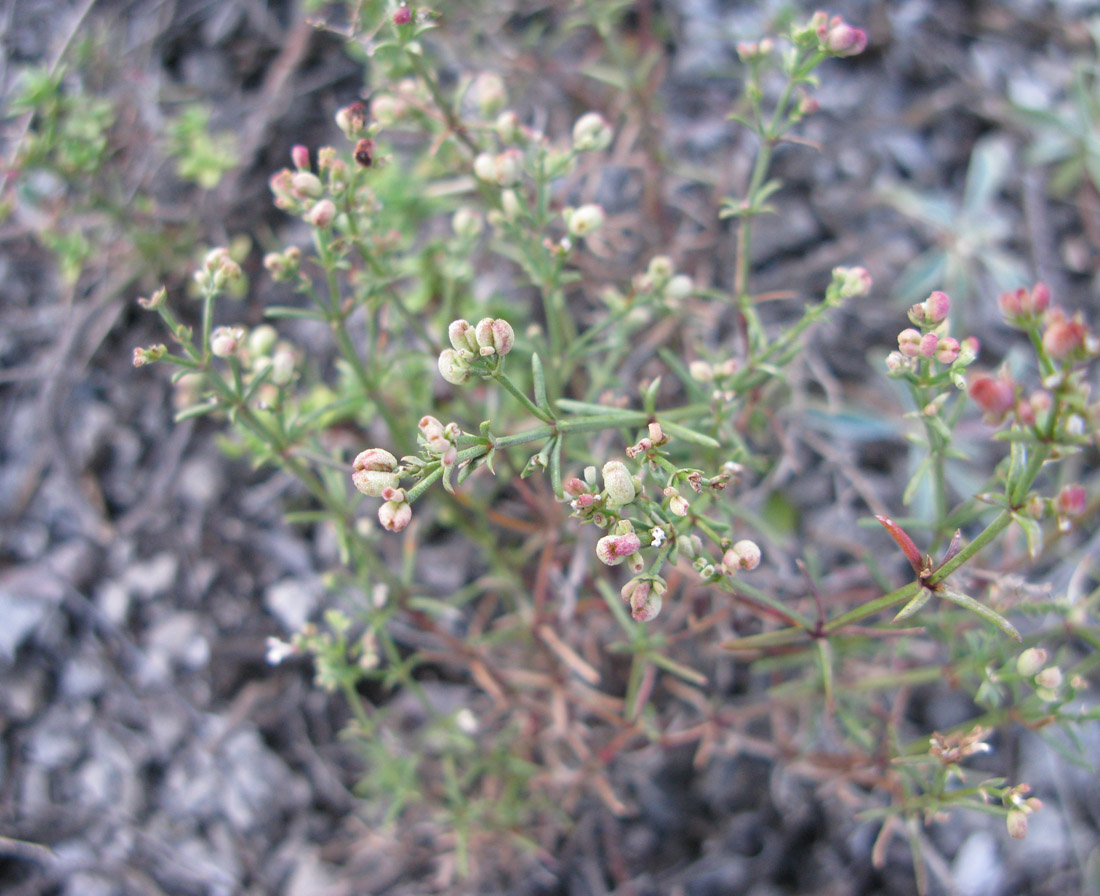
352 120
614 549
841 39
494 336
372 471
1071 501
1038 300
644 596
224 341
928 344
909 342
306 184
947 350
936 307
896 362
996 396
395 515
1011 303
300 156
744 554
574 487
1017 824
402 16
1064 336
586 500
322 213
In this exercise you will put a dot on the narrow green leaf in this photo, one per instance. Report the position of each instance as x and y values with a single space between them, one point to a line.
539 380
923 469
1032 531
678 669
276 311
923 596
196 410
987 613
689 435
555 468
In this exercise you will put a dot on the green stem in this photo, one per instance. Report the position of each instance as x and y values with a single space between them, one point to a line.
501 377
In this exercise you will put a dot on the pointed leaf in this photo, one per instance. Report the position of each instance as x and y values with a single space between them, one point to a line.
1032 531
539 381
987 613
910 609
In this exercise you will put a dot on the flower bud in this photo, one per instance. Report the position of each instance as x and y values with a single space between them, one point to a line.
591 133
352 120
224 341
996 396
584 220
490 93
936 308
1064 337
306 184
644 596
494 336
909 341
262 340
679 287
402 16
1017 824
454 368
947 350
618 483
928 343
613 549
701 371
372 472
574 487
322 213
462 337
744 554
466 224
841 39
677 503
853 282
1071 501
299 155
508 127
395 515
156 301
1031 661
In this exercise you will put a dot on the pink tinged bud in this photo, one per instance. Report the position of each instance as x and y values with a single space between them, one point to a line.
968 350
494 336
618 484
947 350
352 120
1025 413
614 549
574 487
994 395
841 39
1011 303
744 554
306 184
1017 824
402 16
928 344
586 500
225 341
1064 337
1071 501
394 515
453 367
372 472
300 156
462 337
1038 300
895 361
322 213
909 341
591 133
1031 661
936 307
644 597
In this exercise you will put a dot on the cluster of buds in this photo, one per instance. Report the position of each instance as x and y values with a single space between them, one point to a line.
706 372
1070 503
834 36
597 505
644 594
660 278
931 341
265 354
492 338
744 554
622 544
503 169
301 192
1032 663
218 271
439 440
952 749
591 133
375 472
153 353
849 283
751 52
655 439
225 342
1065 338
1019 806
283 266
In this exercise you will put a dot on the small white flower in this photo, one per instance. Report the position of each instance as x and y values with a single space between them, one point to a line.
278 650
658 537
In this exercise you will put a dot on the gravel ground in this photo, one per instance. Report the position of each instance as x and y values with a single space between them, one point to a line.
146 748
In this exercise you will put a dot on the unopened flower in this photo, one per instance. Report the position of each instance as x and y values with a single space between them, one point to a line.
352 120
852 282
306 185
701 371
618 483
745 554
461 334
909 342
947 350
1016 821
503 169
1064 337
928 343
224 341
614 549
679 287
491 94
372 471
453 367
840 38
996 396
402 15
1031 661
936 307
643 593
466 223
1071 501
677 503
143 356
322 213
395 515
156 301
591 133
494 336
584 220
278 650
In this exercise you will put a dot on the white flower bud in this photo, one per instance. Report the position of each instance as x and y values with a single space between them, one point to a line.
618 484
591 133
